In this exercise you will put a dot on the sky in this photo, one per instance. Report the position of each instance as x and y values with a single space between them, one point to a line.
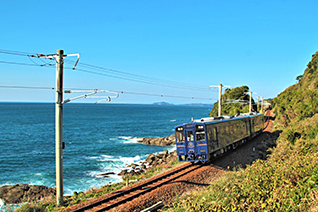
152 51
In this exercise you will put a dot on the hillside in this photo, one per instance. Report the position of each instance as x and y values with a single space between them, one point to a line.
288 179
299 101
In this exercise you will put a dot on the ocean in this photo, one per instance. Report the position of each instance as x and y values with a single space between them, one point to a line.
98 138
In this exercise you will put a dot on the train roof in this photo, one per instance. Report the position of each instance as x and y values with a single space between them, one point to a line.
225 118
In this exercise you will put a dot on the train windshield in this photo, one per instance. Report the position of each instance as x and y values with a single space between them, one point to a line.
190 136
180 134
199 133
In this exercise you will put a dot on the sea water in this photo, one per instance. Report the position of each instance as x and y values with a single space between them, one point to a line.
98 138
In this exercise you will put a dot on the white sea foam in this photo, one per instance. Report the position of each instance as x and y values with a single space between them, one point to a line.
173 120
128 139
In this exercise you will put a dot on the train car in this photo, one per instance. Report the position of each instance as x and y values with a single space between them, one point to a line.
203 139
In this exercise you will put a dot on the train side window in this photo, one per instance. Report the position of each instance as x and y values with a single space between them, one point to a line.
200 136
215 134
180 137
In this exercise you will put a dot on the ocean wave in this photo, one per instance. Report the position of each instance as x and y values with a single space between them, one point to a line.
128 139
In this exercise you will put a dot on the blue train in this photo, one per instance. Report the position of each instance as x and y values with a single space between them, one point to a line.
206 138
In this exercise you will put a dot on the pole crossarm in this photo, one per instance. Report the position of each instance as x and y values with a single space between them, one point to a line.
54 56
92 92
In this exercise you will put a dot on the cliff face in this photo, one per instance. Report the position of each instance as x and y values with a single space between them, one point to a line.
299 101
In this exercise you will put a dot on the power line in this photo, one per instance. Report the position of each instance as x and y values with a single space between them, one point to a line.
23 64
102 71
162 95
121 92
144 78
26 87
17 53
140 80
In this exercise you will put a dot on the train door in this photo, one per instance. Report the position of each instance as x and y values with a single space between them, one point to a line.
215 137
213 141
190 144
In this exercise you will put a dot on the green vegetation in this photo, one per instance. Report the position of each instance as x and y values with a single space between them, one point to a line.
78 197
288 179
299 101
240 106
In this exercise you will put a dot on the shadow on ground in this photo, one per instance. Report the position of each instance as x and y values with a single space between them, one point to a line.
257 148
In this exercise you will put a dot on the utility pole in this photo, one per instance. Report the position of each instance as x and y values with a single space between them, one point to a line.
262 105
59 144
257 103
59 127
220 98
251 100
220 95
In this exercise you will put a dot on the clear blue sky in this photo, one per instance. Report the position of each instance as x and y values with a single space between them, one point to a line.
262 44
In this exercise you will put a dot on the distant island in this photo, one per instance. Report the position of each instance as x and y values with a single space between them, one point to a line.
190 104
162 103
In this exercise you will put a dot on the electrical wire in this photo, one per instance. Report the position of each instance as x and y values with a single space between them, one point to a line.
121 92
138 80
17 53
98 70
24 64
162 95
144 78
111 73
26 87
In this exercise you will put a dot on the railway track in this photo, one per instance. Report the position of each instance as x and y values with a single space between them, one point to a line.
124 196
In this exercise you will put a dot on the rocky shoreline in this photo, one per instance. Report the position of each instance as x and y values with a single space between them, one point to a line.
19 193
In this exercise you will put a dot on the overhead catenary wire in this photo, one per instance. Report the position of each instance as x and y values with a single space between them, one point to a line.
109 73
25 64
149 80
121 92
135 80
102 71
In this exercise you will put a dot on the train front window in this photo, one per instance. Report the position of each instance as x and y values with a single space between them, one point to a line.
200 133
180 137
180 134
190 136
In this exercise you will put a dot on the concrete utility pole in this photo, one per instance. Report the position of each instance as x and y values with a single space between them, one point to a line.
220 95
250 109
251 93
262 105
59 127
59 144
220 98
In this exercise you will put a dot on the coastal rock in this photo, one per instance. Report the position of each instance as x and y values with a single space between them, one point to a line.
106 174
161 141
161 158
123 172
150 158
19 193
